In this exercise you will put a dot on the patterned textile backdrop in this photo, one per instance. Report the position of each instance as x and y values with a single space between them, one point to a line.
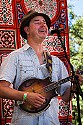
11 12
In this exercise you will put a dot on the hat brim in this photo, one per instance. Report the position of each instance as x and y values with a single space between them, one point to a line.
25 22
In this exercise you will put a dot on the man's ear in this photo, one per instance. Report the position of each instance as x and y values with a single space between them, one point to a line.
26 29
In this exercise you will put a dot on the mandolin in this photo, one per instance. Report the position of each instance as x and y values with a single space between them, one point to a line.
42 86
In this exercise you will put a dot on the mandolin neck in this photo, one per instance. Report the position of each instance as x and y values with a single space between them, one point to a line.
55 85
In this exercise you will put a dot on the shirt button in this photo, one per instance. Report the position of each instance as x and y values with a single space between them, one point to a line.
39 68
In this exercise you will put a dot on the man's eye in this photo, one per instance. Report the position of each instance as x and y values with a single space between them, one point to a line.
44 22
37 22
40 22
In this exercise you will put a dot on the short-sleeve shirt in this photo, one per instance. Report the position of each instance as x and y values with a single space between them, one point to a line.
23 64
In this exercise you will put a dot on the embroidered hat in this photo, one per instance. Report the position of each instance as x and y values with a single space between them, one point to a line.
27 18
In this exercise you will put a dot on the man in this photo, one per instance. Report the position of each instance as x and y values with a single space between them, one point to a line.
29 62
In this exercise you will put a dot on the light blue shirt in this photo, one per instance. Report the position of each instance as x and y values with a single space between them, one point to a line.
24 64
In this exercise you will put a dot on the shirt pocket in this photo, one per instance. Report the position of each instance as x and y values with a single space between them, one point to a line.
26 69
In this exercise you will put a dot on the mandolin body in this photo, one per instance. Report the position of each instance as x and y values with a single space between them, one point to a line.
40 86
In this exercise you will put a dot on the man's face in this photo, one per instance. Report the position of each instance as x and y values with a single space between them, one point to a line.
38 28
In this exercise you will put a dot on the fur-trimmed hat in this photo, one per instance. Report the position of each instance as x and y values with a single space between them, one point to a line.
27 18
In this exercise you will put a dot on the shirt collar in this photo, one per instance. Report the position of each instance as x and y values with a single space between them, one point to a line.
26 47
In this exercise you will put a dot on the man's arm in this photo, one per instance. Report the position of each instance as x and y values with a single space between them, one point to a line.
66 95
34 99
7 92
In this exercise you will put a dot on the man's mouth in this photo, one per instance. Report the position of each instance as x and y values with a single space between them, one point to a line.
43 31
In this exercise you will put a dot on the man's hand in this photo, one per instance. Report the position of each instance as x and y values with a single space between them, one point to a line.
35 99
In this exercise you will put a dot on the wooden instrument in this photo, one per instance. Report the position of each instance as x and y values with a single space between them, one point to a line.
42 86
